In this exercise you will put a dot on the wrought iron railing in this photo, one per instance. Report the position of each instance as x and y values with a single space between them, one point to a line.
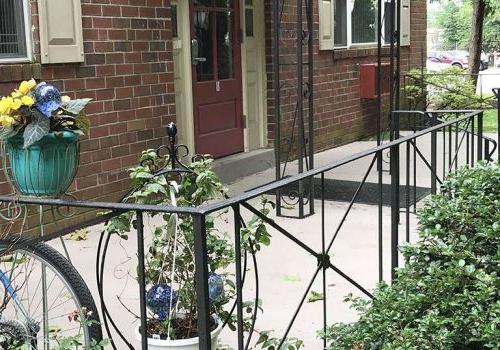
463 143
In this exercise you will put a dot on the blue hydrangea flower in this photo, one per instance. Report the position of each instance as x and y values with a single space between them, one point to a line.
215 286
48 99
158 300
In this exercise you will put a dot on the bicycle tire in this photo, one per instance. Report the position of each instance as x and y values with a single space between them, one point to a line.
68 272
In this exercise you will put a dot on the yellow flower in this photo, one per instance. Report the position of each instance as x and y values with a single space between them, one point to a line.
6 105
17 104
6 120
26 86
27 101
65 99
9 121
16 94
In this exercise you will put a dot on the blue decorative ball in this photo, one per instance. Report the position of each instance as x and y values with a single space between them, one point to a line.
215 286
48 99
158 300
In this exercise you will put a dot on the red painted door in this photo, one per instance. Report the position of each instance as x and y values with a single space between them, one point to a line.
217 85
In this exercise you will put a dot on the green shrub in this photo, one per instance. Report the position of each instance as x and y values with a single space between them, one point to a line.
447 296
450 89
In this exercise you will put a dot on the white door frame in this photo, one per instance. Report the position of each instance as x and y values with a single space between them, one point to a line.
183 79
260 37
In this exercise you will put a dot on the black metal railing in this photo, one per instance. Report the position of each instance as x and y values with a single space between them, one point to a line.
417 159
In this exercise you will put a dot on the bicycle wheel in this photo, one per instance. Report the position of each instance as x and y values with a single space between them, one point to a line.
32 319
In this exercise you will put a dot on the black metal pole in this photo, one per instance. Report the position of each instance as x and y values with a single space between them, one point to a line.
379 141
142 279
480 136
434 155
496 91
300 101
239 286
323 251
277 102
395 205
310 60
201 279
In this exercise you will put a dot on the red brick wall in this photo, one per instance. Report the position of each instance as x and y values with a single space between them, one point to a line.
128 71
340 115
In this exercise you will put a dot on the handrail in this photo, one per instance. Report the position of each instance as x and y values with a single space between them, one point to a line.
272 186
483 136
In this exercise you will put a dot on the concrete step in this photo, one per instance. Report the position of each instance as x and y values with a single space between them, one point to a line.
240 165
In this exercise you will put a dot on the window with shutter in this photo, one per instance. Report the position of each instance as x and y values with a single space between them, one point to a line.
326 25
61 38
13 30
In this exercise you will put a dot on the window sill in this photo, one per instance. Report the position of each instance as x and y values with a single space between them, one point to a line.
15 72
358 52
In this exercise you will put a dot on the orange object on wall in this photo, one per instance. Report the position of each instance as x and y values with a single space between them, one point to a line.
368 80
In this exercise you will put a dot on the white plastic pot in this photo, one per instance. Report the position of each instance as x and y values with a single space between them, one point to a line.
181 344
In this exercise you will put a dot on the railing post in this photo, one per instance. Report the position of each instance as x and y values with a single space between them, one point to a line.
434 155
201 280
394 198
141 277
496 91
480 136
239 286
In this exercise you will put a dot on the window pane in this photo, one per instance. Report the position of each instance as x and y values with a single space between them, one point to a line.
175 25
203 35
387 22
249 22
364 21
12 40
225 44
340 31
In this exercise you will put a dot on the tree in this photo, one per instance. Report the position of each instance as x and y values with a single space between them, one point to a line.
476 43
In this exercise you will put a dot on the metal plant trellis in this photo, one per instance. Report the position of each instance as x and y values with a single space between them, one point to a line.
298 144
287 37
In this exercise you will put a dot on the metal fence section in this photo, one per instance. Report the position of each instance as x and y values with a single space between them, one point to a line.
453 143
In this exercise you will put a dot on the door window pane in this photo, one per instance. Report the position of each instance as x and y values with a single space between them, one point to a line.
224 3
364 22
203 36
340 31
203 2
225 44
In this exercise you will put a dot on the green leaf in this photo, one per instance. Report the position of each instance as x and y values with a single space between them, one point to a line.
7 132
315 296
36 130
75 106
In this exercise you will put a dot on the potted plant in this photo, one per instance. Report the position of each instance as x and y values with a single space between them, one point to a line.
170 262
41 130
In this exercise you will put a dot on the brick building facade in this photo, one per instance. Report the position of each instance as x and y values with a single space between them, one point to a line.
128 69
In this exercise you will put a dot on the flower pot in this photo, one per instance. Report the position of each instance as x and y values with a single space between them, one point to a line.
46 168
180 344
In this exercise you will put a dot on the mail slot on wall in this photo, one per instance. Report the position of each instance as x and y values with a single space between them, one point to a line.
368 79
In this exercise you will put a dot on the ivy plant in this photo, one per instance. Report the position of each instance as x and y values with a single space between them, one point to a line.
151 185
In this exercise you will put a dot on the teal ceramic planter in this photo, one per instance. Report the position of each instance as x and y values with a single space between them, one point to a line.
46 168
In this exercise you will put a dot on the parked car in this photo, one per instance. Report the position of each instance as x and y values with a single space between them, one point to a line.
455 58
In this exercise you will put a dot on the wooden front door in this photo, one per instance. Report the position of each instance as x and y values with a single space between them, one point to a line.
217 86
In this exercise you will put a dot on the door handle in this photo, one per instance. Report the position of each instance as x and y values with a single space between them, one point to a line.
195 50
